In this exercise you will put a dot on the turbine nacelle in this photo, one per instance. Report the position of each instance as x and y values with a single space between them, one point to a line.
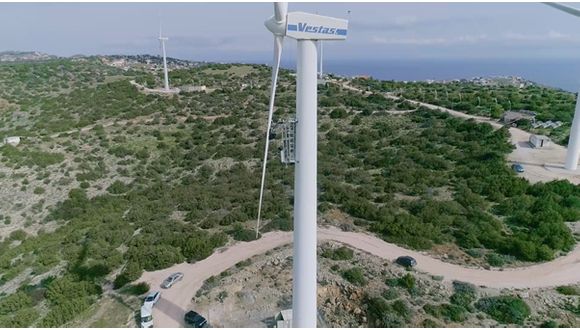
306 26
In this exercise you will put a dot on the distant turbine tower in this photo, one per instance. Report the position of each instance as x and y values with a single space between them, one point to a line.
574 142
320 47
166 76
307 29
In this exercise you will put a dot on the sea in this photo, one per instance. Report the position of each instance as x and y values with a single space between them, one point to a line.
558 73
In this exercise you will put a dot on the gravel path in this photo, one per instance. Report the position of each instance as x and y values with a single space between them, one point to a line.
175 302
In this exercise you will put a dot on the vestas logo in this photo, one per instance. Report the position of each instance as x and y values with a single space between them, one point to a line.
320 29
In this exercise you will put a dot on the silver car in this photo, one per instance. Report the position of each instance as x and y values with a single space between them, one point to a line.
172 279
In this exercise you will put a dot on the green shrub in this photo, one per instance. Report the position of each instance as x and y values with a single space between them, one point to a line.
338 113
341 253
240 233
569 290
131 272
138 289
495 260
39 191
429 323
381 314
407 281
464 295
118 187
505 309
448 312
64 289
549 324
17 235
390 294
65 312
355 276
21 319
14 303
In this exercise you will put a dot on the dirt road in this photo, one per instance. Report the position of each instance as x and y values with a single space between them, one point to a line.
175 302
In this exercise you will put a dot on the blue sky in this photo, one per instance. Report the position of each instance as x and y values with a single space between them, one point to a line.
235 31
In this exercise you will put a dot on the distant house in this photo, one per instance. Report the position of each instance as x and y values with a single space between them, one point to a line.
539 141
284 319
12 140
190 89
510 117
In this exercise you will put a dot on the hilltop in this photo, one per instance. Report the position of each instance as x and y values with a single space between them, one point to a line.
16 56
109 181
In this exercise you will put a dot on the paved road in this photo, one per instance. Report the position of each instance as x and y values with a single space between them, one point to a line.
176 301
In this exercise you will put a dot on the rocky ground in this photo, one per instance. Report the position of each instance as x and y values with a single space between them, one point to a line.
254 291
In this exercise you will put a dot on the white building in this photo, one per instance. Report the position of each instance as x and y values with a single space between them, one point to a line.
539 141
189 89
12 140
284 319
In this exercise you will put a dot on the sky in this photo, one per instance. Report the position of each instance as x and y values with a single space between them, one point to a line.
234 32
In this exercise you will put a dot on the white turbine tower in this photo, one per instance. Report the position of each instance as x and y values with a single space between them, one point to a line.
320 48
307 29
573 152
162 40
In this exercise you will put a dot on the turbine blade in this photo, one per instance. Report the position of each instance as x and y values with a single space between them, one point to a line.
278 40
564 8
280 10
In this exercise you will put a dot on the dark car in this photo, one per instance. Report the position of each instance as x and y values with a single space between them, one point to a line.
407 261
518 168
194 320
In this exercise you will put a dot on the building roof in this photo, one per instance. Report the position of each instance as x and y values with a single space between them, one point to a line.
541 137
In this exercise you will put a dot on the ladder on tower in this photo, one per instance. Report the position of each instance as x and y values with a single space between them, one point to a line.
288 149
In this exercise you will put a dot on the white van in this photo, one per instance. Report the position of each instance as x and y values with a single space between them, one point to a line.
146 316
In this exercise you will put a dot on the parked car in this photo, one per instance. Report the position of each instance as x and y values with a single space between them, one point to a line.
406 261
151 299
194 320
518 168
146 317
172 279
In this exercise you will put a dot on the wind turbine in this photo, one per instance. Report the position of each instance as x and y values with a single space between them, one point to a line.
307 29
573 152
162 40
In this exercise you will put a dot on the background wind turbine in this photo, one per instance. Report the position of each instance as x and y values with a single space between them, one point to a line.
162 40
307 29
320 49
573 153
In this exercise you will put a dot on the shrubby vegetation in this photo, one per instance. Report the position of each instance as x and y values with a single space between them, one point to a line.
354 275
382 314
341 253
569 290
18 156
505 309
492 101
459 157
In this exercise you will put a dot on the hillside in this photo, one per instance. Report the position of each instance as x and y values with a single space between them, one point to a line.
13 56
109 181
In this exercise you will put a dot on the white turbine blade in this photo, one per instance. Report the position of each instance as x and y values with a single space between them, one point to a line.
564 8
280 10
278 40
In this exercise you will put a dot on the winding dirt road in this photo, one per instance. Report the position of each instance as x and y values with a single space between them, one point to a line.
175 302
